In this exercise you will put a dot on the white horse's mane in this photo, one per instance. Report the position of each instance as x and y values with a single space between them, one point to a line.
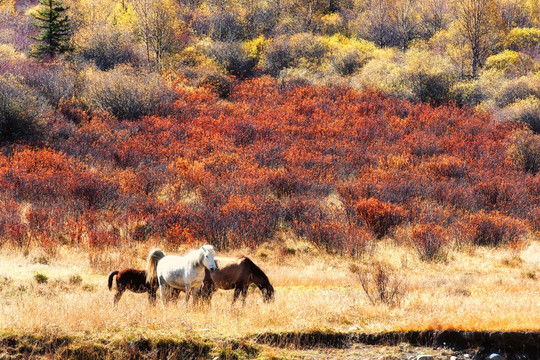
196 256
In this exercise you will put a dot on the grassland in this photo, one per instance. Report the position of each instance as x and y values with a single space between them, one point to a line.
65 294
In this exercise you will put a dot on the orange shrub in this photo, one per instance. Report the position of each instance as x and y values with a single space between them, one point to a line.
329 164
491 228
445 166
380 216
428 240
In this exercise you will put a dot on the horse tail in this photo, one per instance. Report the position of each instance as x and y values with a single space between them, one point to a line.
151 264
111 276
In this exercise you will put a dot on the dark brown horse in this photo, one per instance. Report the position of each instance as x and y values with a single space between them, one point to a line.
135 280
237 274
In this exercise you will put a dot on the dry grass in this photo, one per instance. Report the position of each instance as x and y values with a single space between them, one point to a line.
479 289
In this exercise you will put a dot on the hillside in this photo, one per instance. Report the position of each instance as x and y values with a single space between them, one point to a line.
334 166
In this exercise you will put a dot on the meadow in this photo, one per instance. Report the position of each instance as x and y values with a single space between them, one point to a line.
473 289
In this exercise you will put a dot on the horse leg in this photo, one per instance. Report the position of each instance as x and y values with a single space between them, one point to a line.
119 291
237 291
152 296
188 289
244 294
196 296
165 290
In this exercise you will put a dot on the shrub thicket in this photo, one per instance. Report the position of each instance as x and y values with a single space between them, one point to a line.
524 151
22 112
127 94
107 48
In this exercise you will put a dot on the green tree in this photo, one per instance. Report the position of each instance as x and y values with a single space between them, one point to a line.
55 29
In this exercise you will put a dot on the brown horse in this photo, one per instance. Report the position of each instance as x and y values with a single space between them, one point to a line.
135 280
237 274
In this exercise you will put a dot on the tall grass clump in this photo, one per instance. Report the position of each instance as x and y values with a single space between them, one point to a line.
380 283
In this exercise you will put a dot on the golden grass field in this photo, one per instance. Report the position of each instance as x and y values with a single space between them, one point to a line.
471 289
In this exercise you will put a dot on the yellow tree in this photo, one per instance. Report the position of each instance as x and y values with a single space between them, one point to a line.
405 18
8 20
158 27
480 24
7 10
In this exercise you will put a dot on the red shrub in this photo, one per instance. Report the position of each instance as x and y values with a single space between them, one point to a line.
491 229
228 172
445 166
428 240
380 216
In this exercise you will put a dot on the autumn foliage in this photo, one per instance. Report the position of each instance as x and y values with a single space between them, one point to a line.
336 166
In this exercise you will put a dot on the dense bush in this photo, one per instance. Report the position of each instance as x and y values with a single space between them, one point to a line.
22 112
55 83
524 151
518 89
523 38
347 63
512 63
127 94
233 58
492 229
331 165
526 111
107 48
468 93
379 216
419 76
225 26
428 240
217 82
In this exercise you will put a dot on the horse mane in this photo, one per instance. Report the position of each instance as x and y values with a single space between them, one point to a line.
195 256
255 269
151 263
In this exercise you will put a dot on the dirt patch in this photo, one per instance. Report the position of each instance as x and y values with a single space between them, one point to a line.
513 345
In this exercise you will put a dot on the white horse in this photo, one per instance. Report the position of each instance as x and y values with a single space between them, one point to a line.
180 272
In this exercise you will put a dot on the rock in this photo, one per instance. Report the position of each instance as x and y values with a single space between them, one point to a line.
424 357
495 356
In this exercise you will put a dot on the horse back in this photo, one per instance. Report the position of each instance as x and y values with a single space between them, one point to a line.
232 272
134 280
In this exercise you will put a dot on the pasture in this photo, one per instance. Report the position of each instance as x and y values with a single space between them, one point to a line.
65 293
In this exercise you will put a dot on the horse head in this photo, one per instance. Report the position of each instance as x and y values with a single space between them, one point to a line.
268 293
208 257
